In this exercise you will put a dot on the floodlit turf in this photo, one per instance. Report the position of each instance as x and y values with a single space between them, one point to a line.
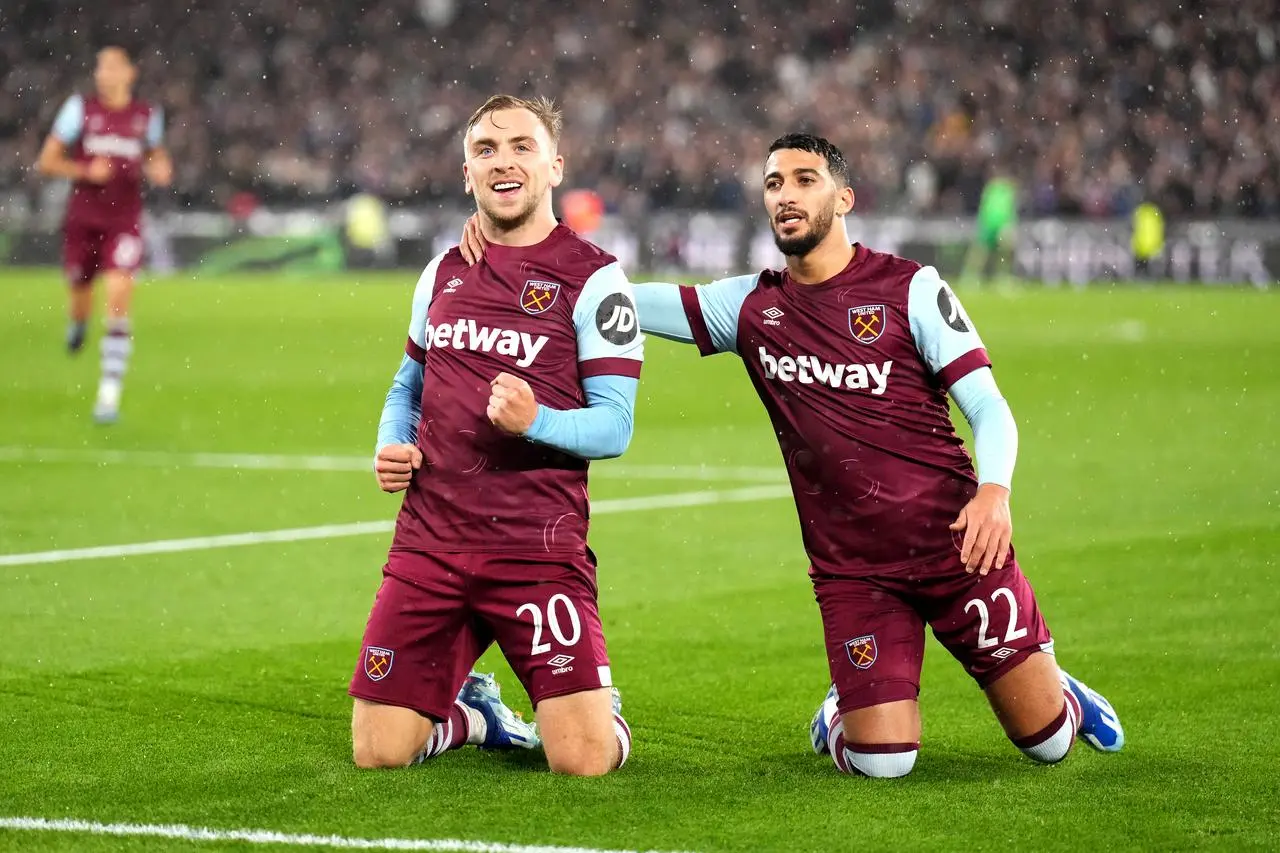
208 687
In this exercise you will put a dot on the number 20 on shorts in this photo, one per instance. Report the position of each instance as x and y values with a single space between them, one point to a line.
555 624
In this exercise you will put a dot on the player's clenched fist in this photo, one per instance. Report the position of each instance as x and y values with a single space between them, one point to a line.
395 465
512 407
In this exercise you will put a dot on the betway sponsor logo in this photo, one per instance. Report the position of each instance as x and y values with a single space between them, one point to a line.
109 145
808 369
465 334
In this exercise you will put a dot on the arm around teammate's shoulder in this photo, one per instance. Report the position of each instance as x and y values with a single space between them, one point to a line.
705 314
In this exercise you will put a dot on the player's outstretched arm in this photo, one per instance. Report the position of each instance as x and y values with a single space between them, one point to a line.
705 315
661 312
664 309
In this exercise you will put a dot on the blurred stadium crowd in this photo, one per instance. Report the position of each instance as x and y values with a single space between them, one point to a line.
1092 105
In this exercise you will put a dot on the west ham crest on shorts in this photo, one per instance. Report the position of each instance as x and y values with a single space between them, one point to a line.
538 296
866 322
377 662
862 651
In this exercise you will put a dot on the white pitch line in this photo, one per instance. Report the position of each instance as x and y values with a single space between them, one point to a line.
361 528
362 464
266 836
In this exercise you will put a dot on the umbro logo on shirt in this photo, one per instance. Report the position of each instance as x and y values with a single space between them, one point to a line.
772 315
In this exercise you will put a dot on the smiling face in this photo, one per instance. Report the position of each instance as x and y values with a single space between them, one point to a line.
802 199
511 166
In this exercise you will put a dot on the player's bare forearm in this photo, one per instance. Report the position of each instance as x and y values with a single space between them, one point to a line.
54 163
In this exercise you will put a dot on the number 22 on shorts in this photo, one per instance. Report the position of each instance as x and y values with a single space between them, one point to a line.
554 623
1013 632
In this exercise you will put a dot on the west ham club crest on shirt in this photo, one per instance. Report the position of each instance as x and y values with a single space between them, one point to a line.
538 296
866 322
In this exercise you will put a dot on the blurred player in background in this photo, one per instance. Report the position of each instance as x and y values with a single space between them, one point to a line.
853 353
106 144
997 221
517 372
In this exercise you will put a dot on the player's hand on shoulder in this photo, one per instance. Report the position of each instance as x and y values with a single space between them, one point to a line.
512 406
472 244
988 529
98 171
395 465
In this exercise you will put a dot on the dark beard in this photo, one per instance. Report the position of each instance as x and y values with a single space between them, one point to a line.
799 246
511 223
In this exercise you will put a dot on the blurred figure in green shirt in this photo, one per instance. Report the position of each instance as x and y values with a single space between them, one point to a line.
997 219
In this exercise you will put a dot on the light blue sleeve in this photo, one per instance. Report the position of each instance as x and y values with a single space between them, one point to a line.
70 118
604 319
721 302
610 354
422 302
662 313
602 430
712 324
155 128
942 330
995 434
403 407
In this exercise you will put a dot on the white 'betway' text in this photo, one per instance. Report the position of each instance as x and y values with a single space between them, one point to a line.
808 369
465 334
112 146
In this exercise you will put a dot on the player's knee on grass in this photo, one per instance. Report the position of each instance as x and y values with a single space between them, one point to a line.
581 734
1039 717
873 760
869 760
878 741
582 756
1052 743
383 736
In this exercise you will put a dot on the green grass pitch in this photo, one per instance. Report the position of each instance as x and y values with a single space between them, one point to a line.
208 687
